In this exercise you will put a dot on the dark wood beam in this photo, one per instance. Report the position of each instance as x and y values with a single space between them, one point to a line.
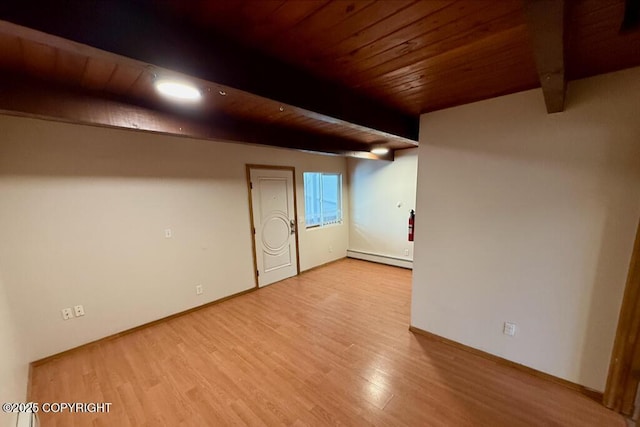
35 98
545 19
141 30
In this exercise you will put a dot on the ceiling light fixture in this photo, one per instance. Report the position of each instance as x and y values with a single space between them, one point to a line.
178 90
222 92
379 151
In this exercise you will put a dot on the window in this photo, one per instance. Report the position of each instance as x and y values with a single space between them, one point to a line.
322 199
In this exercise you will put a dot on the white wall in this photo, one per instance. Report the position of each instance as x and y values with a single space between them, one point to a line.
13 363
530 218
82 218
378 226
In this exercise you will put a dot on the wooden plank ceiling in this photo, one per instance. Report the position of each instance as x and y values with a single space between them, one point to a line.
352 74
416 56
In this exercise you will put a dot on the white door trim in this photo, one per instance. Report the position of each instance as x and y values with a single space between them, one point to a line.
252 229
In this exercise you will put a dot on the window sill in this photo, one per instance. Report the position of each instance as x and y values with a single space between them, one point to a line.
321 227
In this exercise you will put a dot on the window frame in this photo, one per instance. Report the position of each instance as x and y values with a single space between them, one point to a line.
340 214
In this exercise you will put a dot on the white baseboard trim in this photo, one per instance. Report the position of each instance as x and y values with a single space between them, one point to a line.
381 259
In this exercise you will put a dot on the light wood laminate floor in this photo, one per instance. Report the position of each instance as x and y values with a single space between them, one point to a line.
328 347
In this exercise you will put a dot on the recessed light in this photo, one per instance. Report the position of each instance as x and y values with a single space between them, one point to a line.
178 90
379 150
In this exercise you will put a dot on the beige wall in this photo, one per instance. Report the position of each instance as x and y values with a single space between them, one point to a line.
530 218
82 218
378 226
13 363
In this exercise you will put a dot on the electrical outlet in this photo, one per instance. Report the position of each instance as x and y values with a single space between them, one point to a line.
509 329
330 248
67 314
79 310
167 233
198 289
406 252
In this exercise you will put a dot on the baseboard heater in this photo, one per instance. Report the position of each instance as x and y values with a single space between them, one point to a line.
27 419
381 259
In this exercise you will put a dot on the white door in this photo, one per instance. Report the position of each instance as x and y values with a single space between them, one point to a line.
272 203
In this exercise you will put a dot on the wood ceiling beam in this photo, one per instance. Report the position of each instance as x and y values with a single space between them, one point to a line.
545 19
35 98
136 29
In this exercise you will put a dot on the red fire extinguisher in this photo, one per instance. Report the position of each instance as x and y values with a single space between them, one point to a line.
412 219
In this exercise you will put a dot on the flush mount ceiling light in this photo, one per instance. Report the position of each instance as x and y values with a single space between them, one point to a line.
178 90
379 150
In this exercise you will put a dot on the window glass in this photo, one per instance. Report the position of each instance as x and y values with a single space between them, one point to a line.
322 198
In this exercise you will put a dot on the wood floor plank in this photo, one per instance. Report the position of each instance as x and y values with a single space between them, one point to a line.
328 347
